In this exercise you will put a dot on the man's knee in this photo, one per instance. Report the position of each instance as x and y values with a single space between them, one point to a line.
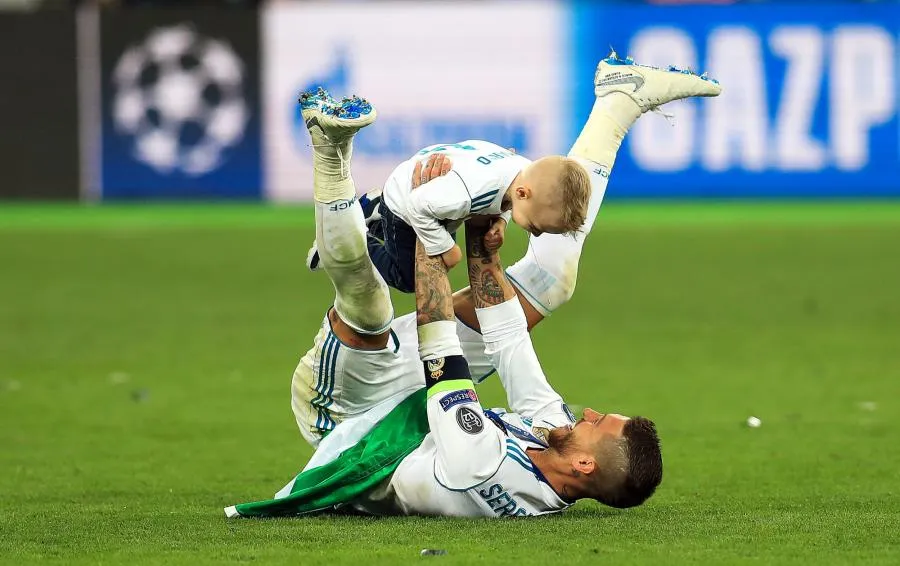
545 290
363 299
566 290
362 334
559 293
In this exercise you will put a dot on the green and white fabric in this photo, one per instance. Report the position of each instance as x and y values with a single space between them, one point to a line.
354 472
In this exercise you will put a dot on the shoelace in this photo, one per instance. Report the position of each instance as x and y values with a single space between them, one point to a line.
345 169
670 118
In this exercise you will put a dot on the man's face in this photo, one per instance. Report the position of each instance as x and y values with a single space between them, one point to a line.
586 434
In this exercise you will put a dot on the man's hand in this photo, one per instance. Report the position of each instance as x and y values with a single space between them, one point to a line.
493 239
437 165
452 256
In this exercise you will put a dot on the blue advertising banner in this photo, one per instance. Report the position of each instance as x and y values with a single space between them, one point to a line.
181 116
809 107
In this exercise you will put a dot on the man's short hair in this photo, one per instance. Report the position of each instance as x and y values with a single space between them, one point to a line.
574 194
636 467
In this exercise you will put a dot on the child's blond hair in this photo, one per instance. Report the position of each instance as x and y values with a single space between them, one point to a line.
567 185
574 194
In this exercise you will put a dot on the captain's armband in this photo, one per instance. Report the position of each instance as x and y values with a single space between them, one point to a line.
445 369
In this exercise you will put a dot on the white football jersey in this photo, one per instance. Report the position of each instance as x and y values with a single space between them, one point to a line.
481 174
475 463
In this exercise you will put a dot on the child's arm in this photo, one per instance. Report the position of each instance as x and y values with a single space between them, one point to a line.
443 198
493 239
452 256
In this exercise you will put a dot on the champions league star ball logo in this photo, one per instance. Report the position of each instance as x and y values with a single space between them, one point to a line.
179 95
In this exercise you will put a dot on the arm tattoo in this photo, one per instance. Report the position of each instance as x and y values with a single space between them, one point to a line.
489 288
434 299
475 245
486 278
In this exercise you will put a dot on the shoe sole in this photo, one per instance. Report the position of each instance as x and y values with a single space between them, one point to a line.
335 118
710 88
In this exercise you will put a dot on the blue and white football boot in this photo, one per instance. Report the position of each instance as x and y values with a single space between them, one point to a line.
331 122
650 87
332 125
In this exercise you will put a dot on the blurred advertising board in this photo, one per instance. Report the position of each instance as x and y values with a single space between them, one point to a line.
180 104
436 72
38 106
809 108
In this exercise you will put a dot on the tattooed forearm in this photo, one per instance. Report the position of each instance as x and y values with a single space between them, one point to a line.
489 288
489 285
475 248
433 295
486 278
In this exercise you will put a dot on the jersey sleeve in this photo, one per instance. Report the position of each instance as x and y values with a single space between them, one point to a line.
443 198
508 344
506 215
470 448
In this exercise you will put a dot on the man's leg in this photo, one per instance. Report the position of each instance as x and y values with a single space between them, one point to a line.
362 300
545 277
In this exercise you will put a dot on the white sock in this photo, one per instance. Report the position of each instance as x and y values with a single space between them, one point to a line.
547 274
438 340
602 134
331 168
362 298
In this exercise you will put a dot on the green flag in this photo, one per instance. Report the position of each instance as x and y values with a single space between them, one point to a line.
356 471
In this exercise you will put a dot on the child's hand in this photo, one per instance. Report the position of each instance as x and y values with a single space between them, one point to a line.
493 239
452 256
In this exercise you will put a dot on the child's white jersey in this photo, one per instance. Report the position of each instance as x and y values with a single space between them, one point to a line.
481 174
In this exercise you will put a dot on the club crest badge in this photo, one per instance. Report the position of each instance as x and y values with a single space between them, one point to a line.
435 367
469 421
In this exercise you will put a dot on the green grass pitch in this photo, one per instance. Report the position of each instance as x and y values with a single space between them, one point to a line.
146 355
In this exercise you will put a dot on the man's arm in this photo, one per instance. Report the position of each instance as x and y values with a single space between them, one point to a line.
436 166
488 282
464 309
469 448
434 301
505 332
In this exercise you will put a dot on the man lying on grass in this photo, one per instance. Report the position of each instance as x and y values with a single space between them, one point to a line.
396 421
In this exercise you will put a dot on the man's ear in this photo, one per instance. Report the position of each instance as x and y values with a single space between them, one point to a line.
522 192
584 462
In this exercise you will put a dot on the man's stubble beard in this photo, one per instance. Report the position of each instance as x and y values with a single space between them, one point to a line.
561 440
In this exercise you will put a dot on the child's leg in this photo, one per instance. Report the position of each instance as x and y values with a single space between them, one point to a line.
395 258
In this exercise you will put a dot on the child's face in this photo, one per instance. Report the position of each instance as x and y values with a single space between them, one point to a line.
535 210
